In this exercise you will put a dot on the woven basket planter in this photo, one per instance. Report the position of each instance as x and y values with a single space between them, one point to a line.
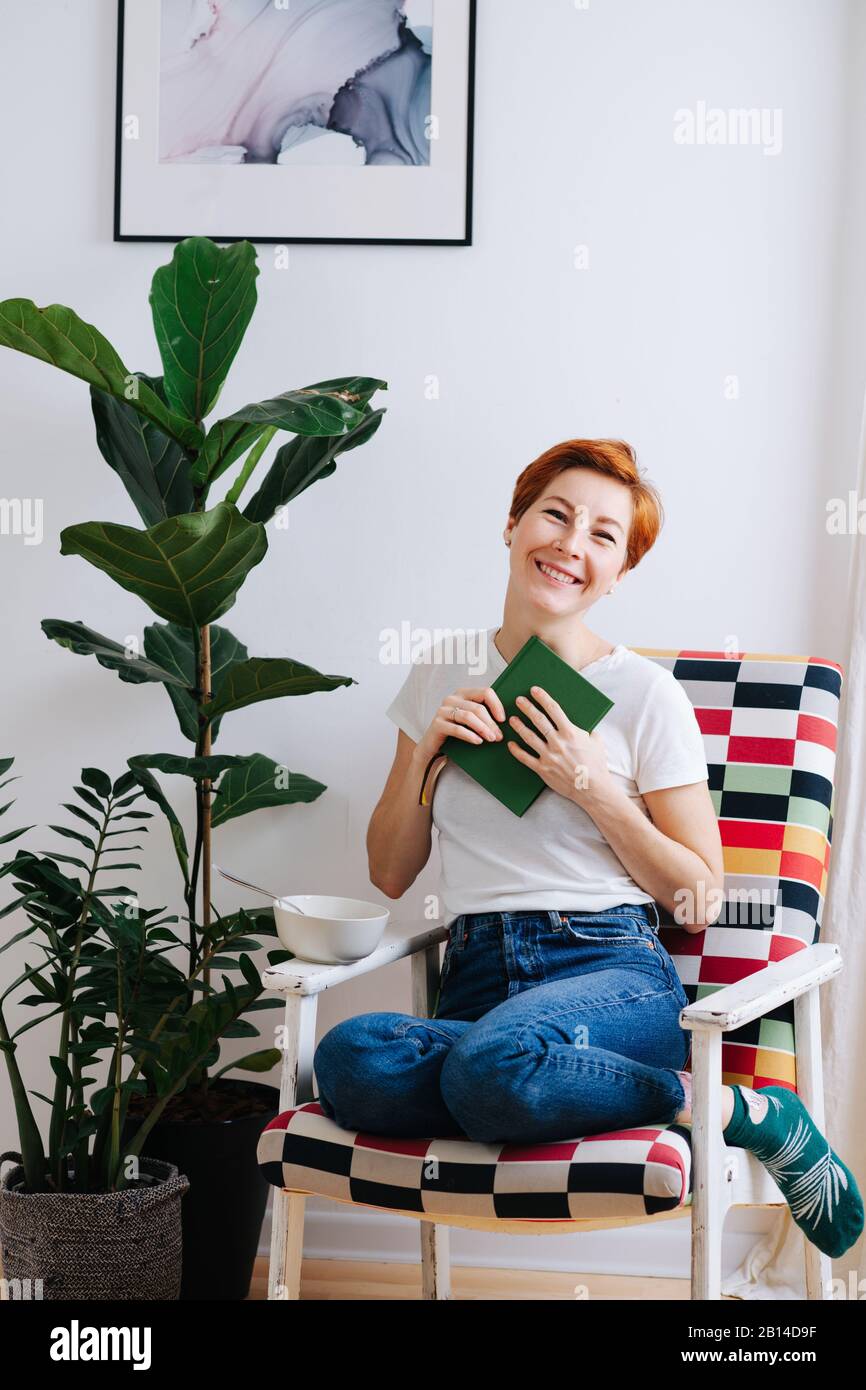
94 1245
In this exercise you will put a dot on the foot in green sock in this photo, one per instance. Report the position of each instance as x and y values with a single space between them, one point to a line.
774 1124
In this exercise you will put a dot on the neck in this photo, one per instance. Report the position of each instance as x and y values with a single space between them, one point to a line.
568 637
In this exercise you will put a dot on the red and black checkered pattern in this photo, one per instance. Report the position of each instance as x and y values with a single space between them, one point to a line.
628 1172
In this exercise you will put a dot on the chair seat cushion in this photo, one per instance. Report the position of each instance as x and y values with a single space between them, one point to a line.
629 1172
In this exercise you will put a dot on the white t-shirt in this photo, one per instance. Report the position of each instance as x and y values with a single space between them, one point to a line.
553 856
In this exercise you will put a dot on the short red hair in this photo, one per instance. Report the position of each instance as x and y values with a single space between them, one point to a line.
615 459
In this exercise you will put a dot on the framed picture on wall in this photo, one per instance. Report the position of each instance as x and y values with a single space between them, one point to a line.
295 121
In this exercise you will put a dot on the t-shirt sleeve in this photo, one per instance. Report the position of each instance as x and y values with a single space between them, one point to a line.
670 745
408 708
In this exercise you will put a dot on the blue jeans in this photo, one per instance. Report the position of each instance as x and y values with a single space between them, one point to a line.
548 1025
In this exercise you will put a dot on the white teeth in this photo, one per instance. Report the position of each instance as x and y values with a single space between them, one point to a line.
556 574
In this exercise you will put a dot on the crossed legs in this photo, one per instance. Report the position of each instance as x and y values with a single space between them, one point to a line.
582 1055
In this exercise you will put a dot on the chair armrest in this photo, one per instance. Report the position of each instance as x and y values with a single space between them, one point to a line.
733 1005
401 939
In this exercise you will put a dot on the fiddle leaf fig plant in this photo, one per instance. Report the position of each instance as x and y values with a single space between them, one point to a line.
189 559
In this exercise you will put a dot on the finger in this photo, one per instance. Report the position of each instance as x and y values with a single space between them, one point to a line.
548 704
538 717
460 714
487 696
481 712
450 728
521 754
486 718
495 704
528 735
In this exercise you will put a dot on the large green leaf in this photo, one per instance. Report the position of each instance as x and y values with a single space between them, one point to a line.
268 678
110 654
202 302
188 569
304 461
154 792
172 648
325 408
176 764
57 335
261 782
152 466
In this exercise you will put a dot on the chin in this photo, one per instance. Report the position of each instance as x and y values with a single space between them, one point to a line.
556 610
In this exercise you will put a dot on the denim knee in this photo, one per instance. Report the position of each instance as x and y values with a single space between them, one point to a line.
359 1066
476 1085
346 1044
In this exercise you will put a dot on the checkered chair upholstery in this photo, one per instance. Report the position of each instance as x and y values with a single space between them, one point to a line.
632 1172
769 724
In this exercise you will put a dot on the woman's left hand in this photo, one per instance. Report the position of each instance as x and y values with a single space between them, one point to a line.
570 760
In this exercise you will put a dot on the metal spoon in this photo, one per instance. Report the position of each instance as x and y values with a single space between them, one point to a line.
274 897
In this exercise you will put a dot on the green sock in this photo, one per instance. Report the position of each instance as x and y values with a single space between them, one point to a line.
774 1124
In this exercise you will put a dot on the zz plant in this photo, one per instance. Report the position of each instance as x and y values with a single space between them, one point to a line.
189 559
107 976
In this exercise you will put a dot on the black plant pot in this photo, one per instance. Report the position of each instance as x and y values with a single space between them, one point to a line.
224 1208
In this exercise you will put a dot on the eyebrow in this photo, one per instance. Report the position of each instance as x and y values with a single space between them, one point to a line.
611 520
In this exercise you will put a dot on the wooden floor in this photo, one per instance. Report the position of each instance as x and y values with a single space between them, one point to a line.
357 1279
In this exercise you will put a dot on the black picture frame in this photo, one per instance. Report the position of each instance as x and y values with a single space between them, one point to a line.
215 235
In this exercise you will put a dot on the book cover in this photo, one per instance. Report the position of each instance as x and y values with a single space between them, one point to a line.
491 764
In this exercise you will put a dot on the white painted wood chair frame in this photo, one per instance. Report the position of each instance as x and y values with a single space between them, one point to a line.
723 1177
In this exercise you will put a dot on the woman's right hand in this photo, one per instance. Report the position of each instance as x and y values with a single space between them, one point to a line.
477 710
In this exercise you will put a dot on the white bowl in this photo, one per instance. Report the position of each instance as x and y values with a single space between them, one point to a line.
332 931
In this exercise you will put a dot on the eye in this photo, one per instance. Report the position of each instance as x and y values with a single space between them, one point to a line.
554 511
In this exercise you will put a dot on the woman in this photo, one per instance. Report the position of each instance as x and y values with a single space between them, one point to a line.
558 1006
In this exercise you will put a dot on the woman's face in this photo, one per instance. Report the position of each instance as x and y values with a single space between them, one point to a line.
578 525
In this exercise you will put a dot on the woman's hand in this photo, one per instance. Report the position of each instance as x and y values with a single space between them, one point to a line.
469 714
566 757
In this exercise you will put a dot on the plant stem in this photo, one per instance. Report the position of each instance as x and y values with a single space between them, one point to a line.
60 1105
179 998
32 1152
192 887
204 806
114 1148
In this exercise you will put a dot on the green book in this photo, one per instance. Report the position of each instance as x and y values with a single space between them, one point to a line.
491 764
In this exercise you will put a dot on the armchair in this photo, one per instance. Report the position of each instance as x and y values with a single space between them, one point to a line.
769 724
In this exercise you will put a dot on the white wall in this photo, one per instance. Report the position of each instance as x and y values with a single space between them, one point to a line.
704 261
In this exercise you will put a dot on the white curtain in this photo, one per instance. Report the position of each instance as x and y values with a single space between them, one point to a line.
774 1267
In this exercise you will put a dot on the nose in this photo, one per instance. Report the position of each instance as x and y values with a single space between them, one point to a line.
575 541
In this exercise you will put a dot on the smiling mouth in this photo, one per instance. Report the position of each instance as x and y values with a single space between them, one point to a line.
557 576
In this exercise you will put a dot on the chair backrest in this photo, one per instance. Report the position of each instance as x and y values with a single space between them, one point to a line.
769 724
